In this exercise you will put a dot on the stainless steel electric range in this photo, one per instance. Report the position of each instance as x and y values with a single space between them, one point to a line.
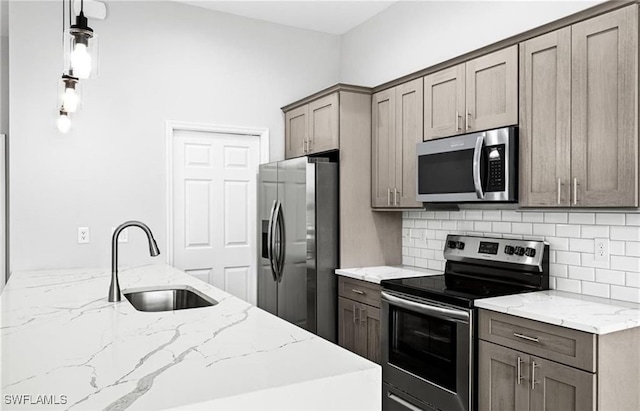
428 323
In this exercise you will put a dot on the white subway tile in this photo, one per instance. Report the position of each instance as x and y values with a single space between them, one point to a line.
421 223
408 223
492 235
610 218
529 217
428 254
414 214
491 215
609 276
582 218
595 231
465 225
581 245
552 256
435 265
441 234
558 244
449 225
568 257
413 252
633 279
434 224
456 215
589 260
625 263
582 273
544 229
558 270
405 214
625 293
501 227
482 226
406 260
405 232
405 250
475 233
631 249
415 233
564 230
565 284
552 283
617 248
513 236
625 233
442 215
434 244
522 228
429 215
513 216
555 218
633 218
595 289
421 262
473 214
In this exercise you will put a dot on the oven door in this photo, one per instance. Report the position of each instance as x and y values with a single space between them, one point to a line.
468 168
427 350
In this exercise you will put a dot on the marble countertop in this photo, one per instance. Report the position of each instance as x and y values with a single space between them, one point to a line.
377 274
61 341
579 312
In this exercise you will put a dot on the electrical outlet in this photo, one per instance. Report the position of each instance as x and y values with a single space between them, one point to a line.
83 235
124 235
602 249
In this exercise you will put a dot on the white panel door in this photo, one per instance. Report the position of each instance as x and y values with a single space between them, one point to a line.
3 231
214 209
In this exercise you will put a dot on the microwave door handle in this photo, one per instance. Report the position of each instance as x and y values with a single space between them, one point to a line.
477 152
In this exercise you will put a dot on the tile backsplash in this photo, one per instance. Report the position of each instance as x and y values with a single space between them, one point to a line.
571 237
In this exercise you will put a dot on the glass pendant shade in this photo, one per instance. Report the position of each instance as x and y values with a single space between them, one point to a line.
64 122
69 93
81 49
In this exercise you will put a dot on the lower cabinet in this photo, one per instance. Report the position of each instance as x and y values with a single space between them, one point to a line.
358 322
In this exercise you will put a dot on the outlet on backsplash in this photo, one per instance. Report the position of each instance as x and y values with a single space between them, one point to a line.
602 249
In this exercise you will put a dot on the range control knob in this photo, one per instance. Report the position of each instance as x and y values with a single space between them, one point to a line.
460 245
451 244
519 251
508 249
530 252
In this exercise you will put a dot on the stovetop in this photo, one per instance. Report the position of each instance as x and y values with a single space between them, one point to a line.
452 289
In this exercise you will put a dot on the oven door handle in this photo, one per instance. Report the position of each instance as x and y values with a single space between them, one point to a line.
433 311
477 153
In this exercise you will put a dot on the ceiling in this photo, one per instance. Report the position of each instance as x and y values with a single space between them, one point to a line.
333 17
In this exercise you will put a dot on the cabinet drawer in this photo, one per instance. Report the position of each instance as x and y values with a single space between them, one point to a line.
358 290
564 345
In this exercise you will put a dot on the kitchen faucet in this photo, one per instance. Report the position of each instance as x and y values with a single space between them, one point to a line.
114 288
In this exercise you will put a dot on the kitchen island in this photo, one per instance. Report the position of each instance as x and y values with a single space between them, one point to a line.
64 345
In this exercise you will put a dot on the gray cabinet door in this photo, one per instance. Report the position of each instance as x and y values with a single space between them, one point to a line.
324 124
444 107
384 148
502 378
557 387
545 120
296 131
492 90
347 326
368 344
604 143
409 116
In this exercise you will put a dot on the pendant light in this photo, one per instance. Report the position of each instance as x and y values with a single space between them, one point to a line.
64 122
70 98
83 47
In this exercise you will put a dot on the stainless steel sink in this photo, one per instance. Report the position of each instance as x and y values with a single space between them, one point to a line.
169 298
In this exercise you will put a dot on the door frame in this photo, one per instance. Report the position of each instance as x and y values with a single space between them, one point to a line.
170 128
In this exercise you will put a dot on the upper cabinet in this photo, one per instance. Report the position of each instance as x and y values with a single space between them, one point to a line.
480 94
578 114
397 128
313 127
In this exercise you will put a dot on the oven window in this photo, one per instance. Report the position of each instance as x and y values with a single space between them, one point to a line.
444 173
424 346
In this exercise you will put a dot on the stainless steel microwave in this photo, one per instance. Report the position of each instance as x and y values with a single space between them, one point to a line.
473 167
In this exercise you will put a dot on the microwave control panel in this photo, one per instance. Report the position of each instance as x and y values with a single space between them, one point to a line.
496 158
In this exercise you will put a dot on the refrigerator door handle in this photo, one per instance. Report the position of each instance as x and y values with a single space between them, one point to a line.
282 240
270 236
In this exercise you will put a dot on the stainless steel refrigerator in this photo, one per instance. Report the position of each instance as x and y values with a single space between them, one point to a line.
298 243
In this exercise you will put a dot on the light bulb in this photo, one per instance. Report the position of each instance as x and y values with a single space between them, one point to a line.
81 61
64 122
70 100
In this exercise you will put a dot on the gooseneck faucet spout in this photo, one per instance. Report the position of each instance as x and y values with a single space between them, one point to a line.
114 288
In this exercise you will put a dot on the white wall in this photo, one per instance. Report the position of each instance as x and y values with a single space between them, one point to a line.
158 61
410 36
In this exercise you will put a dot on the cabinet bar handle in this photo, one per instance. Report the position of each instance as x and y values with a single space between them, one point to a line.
354 313
357 291
526 337
363 315
468 120
559 191
519 370
389 197
395 196
309 144
575 191
304 146
533 375
458 120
